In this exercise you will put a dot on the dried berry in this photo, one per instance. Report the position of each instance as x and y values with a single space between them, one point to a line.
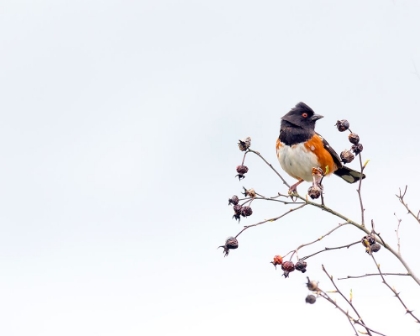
342 125
237 211
374 248
354 138
249 192
230 244
287 267
368 240
278 260
314 191
244 144
234 200
312 285
242 170
357 149
310 299
301 266
346 156
246 211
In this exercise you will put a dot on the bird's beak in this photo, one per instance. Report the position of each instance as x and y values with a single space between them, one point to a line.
315 117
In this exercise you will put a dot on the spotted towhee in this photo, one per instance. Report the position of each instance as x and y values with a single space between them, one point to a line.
299 148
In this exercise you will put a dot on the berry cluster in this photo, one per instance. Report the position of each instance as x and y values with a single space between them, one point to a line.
346 155
241 209
369 242
313 287
289 266
244 209
238 209
243 146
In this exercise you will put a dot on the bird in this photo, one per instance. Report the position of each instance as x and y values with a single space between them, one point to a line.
299 148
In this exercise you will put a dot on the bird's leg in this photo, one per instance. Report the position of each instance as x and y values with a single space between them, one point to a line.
317 176
293 188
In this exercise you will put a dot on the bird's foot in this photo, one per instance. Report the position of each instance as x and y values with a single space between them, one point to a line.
293 188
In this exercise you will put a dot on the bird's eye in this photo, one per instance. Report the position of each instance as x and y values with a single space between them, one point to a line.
305 115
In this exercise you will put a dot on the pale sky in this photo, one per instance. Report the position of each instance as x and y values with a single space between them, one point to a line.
118 131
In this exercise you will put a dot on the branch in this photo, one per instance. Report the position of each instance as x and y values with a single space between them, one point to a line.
270 165
316 240
270 220
403 262
347 300
359 190
330 249
271 199
402 201
348 220
398 234
350 318
372 274
397 294
333 212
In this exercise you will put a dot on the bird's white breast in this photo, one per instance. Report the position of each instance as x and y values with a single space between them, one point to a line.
297 161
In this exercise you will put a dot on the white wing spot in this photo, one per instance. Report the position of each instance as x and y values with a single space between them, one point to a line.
312 147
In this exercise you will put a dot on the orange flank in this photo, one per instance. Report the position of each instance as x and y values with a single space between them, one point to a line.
325 159
278 145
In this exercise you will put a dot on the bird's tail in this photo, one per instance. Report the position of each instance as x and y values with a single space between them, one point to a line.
349 175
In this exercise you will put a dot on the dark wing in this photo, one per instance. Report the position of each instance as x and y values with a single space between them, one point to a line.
347 174
333 153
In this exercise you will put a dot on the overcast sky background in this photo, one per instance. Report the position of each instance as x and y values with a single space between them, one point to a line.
118 131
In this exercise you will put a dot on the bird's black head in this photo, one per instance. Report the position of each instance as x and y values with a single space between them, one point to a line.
301 116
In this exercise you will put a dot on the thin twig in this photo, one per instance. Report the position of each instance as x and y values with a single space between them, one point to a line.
370 329
353 320
322 198
373 225
322 190
398 234
359 190
330 249
402 201
335 213
317 240
397 294
270 220
272 199
270 165
328 298
349 317
372 274
362 228
350 303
